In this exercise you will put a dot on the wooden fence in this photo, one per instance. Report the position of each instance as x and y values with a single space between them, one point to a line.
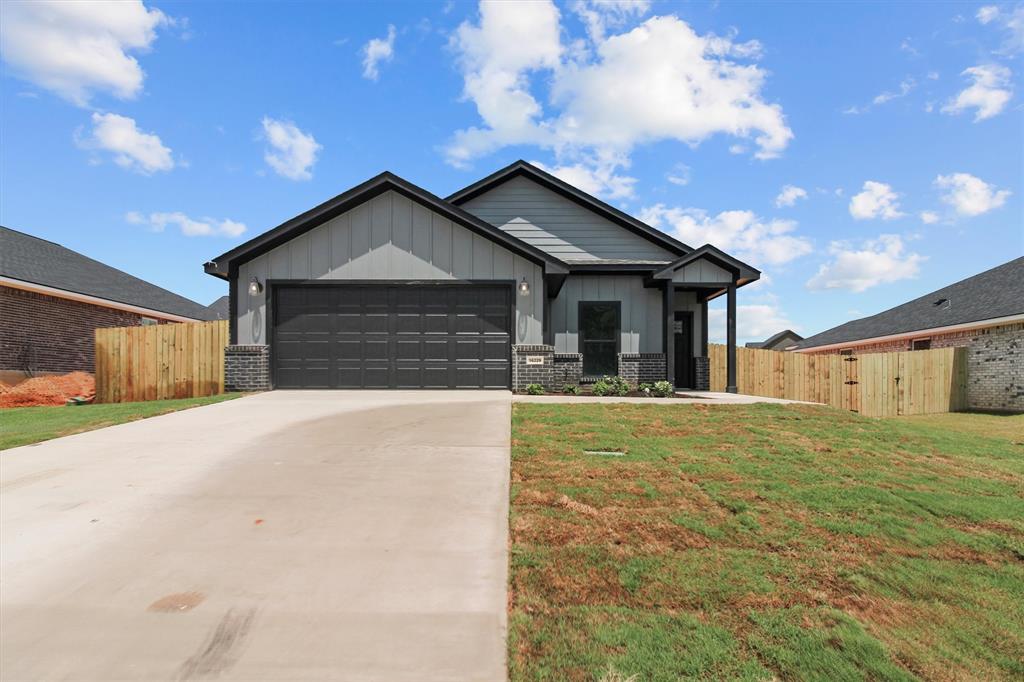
874 384
160 361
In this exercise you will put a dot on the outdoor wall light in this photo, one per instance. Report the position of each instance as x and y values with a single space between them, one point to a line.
524 288
255 287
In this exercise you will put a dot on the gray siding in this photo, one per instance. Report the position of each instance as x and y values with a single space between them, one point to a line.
390 237
559 226
640 312
701 271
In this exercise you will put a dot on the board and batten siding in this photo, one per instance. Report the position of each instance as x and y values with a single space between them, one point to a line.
390 237
558 225
702 272
640 312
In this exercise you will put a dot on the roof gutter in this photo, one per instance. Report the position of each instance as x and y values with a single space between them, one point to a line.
917 333
93 300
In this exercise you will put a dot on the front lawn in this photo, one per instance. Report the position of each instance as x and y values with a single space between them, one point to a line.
762 542
25 425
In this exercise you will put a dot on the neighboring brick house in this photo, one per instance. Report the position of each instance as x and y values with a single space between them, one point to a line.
52 299
780 341
984 313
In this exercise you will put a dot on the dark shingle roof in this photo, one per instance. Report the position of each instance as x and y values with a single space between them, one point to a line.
998 292
773 339
35 260
219 309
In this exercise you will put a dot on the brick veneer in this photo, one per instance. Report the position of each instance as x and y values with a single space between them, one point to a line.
41 333
702 373
567 369
955 339
642 368
995 369
523 374
247 368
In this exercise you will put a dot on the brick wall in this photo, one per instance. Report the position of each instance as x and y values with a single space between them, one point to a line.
524 374
956 339
247 368
995 369
702 373
567 369
41 333
642 368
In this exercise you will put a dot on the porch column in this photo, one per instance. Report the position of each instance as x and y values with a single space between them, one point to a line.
669 317
730 339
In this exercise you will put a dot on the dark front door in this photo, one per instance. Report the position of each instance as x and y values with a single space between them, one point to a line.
391 336
599 337
684 349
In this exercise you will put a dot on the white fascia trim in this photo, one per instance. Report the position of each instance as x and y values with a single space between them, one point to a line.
94 300
918 333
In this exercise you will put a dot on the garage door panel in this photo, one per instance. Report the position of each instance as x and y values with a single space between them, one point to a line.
392 336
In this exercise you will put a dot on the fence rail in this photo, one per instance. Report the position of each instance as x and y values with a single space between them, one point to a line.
160 361
874 384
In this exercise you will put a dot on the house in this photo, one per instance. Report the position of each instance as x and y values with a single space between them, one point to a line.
983 313
518 278
53 298
219 309
779 341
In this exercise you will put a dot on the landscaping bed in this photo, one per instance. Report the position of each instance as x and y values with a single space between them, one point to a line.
762 542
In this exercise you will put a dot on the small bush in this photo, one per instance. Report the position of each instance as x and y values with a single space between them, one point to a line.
571 389
646 389
534 389
611 386
663 389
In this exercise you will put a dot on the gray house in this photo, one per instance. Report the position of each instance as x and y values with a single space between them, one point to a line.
518 278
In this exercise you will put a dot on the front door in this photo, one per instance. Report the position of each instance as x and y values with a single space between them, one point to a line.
684 349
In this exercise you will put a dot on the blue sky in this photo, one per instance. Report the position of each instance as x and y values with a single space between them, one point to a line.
163 134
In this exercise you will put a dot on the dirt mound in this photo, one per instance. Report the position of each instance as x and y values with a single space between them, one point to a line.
49 390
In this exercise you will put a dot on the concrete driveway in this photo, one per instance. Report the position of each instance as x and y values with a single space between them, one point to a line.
286 536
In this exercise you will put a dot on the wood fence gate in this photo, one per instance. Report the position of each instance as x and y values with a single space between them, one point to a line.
874 384
156 362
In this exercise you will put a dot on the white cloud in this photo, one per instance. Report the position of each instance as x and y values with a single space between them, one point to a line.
1011 22
929 217
600 15
878 200
754 322
679 175
741 233
132 149
77 48
906 85
988 95
789 196
970 196
595 176
658 81
292 152
877 261
376 51
204 227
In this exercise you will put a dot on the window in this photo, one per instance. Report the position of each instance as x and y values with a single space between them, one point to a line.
846 351
146 321
921 344
599 337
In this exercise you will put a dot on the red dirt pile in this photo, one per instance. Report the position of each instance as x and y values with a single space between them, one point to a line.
48 390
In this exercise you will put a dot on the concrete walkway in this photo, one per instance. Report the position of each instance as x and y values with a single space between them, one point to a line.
285 536
685 398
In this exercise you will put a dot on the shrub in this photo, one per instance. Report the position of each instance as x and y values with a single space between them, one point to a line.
571 389
663 389
534 389
646 388
611 386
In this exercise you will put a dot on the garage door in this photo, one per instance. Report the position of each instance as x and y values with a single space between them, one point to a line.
392 336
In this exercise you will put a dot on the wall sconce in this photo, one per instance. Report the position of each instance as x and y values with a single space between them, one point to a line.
524 288
255 287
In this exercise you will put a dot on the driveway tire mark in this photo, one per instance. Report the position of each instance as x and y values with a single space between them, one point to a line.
222 647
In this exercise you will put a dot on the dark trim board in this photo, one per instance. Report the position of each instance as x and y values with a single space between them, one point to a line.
272 285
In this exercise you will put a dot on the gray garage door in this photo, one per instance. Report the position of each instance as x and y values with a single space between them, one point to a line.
392 336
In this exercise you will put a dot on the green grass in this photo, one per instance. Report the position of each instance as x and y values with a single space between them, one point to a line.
26 425
765 542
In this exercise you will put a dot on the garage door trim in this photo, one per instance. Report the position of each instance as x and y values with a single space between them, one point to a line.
270 285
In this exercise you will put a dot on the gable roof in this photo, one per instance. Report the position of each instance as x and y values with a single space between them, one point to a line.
521 168
744 273
992 294
774 338
37 261
288 230
219 309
